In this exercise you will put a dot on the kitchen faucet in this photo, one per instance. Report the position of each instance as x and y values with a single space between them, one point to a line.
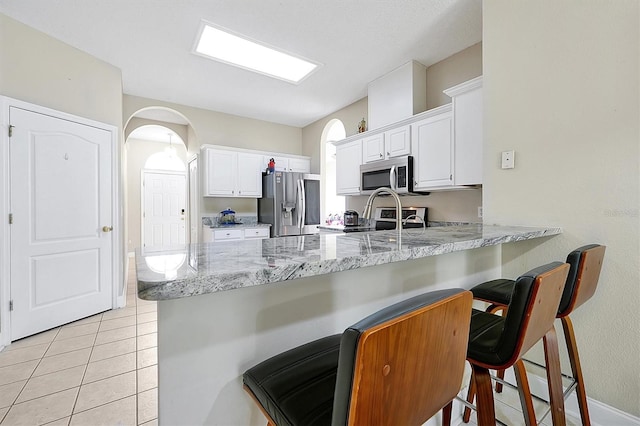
366 214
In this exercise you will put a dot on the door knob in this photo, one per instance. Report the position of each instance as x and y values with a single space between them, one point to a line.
107 228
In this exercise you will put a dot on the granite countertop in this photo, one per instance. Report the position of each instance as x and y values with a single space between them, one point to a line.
197 269
239 225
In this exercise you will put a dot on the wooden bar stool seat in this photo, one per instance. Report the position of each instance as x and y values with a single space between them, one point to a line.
497 342
399 366
585 264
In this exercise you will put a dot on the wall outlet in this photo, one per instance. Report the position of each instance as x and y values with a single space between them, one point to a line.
480 212
508 159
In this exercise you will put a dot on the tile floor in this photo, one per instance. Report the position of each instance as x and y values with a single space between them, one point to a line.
101 370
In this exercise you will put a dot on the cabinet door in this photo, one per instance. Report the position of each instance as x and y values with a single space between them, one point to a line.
282 163
433 152
249 177
373 148
348 160
301 165
397 142
256 233
220 173
467 109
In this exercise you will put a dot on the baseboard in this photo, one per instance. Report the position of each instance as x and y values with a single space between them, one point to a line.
600 413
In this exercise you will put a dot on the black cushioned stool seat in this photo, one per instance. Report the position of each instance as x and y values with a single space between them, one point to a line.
400 365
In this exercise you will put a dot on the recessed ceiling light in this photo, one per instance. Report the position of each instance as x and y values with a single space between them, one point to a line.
222 45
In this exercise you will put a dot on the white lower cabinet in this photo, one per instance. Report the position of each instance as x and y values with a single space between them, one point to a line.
348 161
432 149
210 235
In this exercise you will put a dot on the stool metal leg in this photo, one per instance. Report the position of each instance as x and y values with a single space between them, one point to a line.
554 377
576 369
524 392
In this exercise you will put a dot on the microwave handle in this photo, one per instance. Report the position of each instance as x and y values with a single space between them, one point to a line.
392 178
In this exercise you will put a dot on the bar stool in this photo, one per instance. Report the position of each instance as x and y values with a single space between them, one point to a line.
398 366
497 342
585 266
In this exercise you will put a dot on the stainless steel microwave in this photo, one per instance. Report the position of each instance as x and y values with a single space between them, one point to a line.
395 173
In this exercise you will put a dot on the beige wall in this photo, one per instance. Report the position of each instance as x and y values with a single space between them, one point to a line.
462 66
216 128
561 84
448 205
39 69
137 152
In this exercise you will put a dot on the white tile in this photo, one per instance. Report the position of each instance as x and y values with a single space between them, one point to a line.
104 391
69 345
153 422
117 323
36 339
147 357
3 411
9 393
68 332
147 317
147 341
109 350
63 361
87 320
148 405
115 335
152 307
51 383
118 313
120 412
147 327
42 410
110 367
17 372
147 378
62 422
22 355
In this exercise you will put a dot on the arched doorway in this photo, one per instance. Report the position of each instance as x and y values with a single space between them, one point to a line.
333 205
155 178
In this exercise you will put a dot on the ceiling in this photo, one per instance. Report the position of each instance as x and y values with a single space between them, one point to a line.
356 41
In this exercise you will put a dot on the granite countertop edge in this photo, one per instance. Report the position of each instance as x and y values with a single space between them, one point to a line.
211 268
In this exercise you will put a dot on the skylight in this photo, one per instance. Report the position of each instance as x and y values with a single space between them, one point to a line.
223 46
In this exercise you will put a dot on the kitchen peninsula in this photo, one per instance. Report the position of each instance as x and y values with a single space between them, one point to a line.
258 298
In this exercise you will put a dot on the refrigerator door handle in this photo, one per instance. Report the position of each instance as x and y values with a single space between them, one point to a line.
302 206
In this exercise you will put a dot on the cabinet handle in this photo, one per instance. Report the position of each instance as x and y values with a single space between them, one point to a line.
388 155
380 155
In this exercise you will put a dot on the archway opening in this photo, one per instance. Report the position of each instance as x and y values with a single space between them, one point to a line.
333 205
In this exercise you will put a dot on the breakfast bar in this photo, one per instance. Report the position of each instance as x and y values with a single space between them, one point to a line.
257 298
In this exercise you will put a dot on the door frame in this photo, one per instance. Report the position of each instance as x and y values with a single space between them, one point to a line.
193 205
142 194
117 260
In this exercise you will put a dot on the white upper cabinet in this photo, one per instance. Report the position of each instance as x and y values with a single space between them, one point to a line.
230 173
467 131
432 148
397 141
373 148
220 172
385 145
288 164
348 161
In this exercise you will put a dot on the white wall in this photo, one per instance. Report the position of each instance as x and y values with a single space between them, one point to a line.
561 85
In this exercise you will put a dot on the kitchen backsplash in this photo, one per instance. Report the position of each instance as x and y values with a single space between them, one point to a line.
246 219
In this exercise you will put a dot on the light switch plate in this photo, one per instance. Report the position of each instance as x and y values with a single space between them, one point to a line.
508 159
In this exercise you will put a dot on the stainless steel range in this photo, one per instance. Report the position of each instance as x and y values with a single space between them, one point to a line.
412 217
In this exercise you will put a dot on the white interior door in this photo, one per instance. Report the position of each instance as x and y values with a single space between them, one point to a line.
60 198
163 213
194 193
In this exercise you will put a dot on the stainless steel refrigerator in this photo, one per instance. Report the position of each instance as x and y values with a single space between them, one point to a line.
290 203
